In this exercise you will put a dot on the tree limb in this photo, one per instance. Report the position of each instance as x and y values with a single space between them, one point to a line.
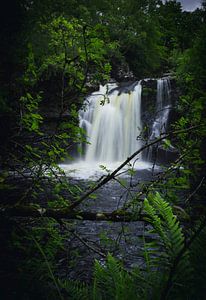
66 213
112 175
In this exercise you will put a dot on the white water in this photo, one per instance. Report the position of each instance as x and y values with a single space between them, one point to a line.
163 106
93 170
113 129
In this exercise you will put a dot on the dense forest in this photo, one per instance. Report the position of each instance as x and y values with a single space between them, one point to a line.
53 55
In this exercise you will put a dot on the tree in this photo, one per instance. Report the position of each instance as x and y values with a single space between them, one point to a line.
70 47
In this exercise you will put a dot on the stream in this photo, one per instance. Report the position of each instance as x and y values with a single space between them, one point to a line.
122 239
111 119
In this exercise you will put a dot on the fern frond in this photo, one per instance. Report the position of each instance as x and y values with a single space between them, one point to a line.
74 290
172 261
165 224
112 281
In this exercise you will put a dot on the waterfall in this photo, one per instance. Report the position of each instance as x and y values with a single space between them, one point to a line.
163 107
111 119
113 128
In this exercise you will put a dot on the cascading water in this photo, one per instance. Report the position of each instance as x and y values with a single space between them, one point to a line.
163 107
112 128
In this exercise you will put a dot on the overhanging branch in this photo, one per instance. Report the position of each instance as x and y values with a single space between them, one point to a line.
66 213
112 175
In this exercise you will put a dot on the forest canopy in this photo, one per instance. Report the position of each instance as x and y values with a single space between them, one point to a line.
53 55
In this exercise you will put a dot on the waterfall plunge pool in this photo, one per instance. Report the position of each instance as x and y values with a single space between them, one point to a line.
94 170
114 129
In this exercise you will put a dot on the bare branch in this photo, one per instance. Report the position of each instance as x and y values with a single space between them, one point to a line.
195 191
112 175
66 213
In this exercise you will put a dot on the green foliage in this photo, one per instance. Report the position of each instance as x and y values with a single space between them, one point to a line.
37 249
77 50
74 290
173 271
171 264
74 54
63 50
198 288
30 118
191 78
111 281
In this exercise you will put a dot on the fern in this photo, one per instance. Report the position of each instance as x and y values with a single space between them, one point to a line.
173 266
167 227
74 290
112 281
172 262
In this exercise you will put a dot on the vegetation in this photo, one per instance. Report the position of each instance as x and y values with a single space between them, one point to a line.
52 55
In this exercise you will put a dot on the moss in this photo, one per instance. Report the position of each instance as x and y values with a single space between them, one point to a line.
151 108
148 91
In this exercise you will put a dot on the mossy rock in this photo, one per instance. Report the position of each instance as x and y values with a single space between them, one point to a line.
146 91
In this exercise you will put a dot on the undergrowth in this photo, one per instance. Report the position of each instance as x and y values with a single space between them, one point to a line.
174 263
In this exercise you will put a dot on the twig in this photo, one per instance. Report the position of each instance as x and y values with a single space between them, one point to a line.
195 191
95 250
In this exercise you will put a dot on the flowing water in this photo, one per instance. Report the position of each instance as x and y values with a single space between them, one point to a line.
163 107
111 119
113 131
112 128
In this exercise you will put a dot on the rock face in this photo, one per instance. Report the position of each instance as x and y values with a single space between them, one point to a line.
122 73
148 105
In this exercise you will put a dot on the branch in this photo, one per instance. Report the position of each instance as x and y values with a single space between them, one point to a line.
66 213
195 191
85 243
112 175
147 188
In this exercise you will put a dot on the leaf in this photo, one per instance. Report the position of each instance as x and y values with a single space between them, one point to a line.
167 143
93 196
